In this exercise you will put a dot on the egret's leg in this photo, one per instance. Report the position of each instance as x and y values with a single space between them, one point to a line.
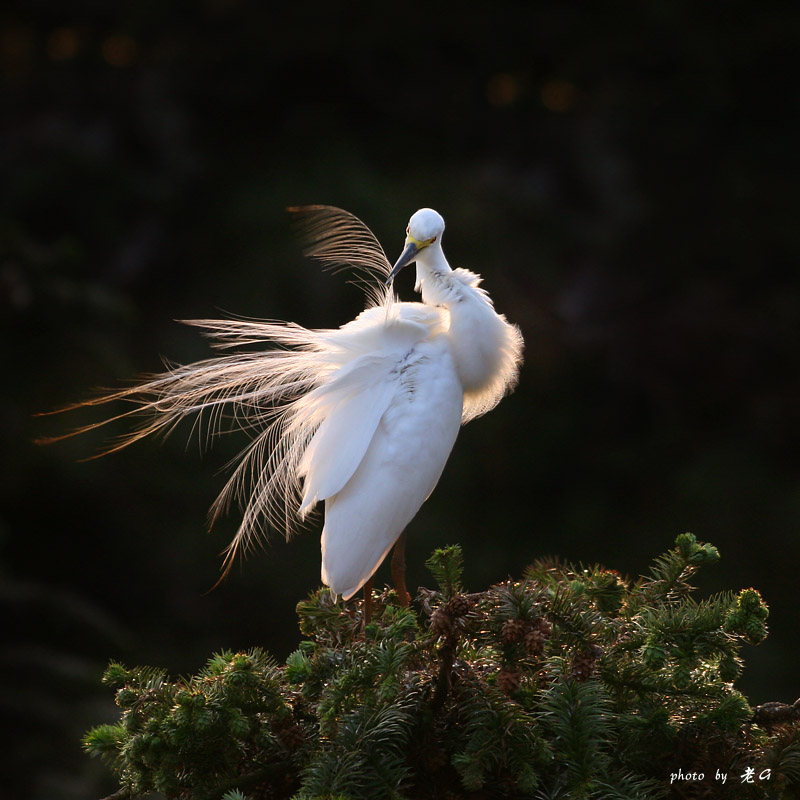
399 570
368 601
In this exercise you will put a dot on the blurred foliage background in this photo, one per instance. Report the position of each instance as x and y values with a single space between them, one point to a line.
624 176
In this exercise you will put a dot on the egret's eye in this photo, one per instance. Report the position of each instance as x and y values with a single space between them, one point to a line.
408 229
432 240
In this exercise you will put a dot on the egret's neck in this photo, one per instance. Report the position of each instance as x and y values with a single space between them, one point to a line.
434 277
483 345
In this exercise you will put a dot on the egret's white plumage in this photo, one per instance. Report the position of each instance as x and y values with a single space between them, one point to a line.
362 418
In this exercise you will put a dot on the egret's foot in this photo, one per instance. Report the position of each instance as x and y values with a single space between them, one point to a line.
399 571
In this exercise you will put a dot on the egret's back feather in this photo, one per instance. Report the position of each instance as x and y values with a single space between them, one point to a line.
342 241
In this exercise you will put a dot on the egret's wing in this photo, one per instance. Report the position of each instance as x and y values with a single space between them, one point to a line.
351 406
340 239
400 468
347 379
345 410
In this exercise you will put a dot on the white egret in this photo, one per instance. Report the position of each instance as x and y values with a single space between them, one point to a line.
361 418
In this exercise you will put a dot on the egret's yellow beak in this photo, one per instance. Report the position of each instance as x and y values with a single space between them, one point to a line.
406 257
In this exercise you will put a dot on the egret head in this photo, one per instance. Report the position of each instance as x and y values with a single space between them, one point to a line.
424 229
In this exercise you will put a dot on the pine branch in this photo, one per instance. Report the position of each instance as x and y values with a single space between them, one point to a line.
573 683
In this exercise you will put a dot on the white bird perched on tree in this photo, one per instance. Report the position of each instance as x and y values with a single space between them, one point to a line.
362 418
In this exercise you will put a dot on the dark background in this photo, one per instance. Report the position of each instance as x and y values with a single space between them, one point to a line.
624 177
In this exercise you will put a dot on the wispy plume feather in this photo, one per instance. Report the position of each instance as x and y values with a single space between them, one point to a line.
270 393
342 241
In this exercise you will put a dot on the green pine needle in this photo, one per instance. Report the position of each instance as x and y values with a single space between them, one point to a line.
447 565
572 683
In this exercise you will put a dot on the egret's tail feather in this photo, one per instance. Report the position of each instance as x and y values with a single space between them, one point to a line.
270 394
